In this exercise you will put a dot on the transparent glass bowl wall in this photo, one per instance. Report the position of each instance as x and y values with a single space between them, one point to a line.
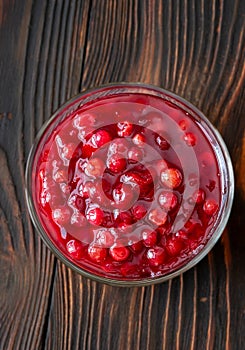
224 162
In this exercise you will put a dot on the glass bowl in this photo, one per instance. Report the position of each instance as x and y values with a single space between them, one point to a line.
96 215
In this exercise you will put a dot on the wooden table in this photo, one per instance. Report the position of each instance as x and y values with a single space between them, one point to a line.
49 51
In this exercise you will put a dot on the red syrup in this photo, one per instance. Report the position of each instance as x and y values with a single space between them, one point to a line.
127 187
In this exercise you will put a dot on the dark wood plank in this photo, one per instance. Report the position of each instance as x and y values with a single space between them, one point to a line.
50 50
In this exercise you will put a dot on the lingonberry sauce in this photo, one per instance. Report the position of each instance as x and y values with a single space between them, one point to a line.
127 187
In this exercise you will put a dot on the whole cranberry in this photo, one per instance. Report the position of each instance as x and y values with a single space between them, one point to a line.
126 217
123 196
94 167
100 138
105 238
171 178
119 252
162 143
97 253
124 227
139 140
174 246
96 195
116 163
157 216
76 202
190 139
161 165
136 245
75 248
118 146
87 150
135 154
210 207
149 237
130 269
156 256
95 216
124 129
199 196
139 211
168 200
183 124
143 180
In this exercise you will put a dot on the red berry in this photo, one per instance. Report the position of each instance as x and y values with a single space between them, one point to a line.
139 140
210 207
171 177
77 202
124 227
130 270
174 246
163 230
190 139
116 163
135 154
118 146
157 216
162 143
139 211
95 216
87 150
149 237
61 215
168 200
75 248
126 217
94 167
92 189
135 245
183 124
119 252
194 229
199 196
156 256
143 180
123 196
97 253
124 129
100 138
105 238
161 165
211 186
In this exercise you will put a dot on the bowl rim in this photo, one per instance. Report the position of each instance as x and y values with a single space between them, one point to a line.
178 101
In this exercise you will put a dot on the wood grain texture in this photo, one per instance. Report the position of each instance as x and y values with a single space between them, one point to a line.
51 50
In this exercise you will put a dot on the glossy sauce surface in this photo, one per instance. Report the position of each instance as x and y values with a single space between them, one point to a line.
127 187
